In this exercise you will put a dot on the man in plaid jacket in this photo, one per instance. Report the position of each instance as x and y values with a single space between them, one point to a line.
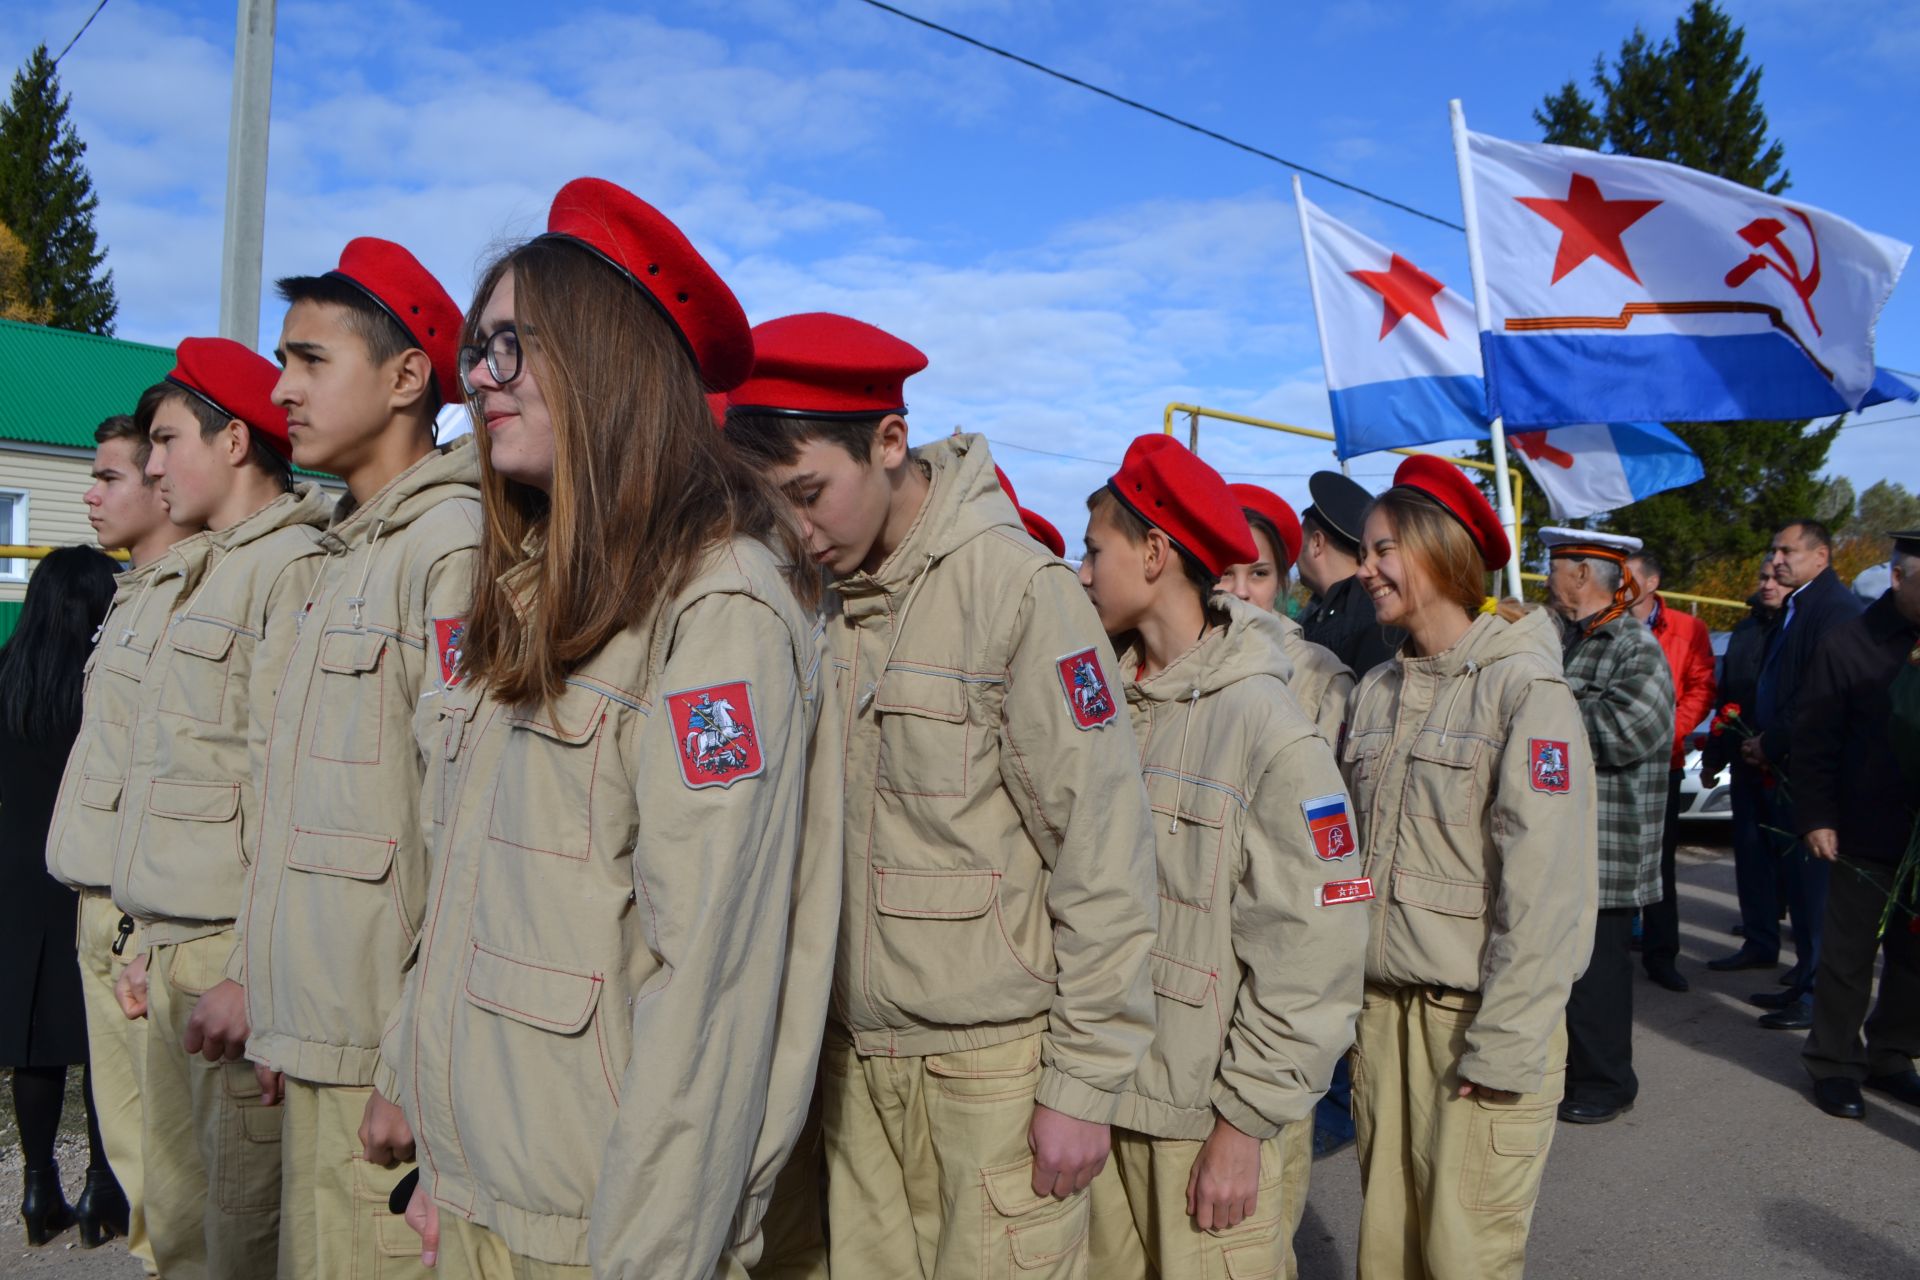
1620 677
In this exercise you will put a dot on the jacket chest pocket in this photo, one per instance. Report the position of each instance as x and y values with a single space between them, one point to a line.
1443 778
544 789
1189 838
351 691
123 654
925 740
201 666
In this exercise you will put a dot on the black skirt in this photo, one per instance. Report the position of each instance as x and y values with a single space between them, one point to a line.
42 1020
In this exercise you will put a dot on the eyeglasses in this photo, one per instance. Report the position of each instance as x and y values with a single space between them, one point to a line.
502 356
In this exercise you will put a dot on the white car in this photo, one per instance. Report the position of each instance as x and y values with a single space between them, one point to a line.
1700 803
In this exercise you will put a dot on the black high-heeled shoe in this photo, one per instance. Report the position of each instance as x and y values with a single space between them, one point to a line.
101 1212
43 1206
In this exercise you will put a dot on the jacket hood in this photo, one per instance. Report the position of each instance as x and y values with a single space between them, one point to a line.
307 505
1492 639
965 501
450 471
1249 645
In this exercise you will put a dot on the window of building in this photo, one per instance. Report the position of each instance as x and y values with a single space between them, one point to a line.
13 530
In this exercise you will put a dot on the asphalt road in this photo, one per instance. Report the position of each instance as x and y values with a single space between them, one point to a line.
1723 1169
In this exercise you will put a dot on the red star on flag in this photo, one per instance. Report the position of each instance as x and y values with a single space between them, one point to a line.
1407 291
1590 225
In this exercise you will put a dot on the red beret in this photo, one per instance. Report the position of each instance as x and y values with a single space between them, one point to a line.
407 291
639 242
1446 484
717 406
820 365
1272 508
236 382
1039 528
1043 531
1164 483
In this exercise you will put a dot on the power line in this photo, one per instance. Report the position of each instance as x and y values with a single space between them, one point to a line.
82 31
1156 112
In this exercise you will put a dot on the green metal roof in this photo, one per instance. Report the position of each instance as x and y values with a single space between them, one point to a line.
60 384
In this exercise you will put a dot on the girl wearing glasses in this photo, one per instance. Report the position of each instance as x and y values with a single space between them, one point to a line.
606 1045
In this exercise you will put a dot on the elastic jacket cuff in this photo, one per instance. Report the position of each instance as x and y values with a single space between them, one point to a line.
1063 1093
1480 1071
1237 1113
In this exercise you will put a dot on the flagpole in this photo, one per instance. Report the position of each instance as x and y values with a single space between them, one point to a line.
1483 319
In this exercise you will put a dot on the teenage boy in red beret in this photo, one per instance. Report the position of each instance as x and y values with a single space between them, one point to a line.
210 1149
991 999
1262 925
124 508
369 352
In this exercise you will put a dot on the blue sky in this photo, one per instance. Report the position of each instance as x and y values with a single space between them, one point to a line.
1068 265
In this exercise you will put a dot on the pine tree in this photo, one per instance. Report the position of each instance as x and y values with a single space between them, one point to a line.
47 199
1694 99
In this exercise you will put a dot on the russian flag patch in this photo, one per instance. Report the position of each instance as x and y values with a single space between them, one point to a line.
1328 824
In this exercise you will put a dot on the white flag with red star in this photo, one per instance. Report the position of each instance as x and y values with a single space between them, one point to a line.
1401 351
1631 290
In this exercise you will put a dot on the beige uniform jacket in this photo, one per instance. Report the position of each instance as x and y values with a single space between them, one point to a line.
1321 683
86 814
607 1045
1477 810
1258 982
199 738
999 865
334 898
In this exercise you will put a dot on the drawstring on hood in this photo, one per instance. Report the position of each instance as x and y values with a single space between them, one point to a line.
1180 767
899 625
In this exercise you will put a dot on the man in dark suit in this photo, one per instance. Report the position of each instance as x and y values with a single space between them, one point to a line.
1756 866
1854 802
1801 559
1340 616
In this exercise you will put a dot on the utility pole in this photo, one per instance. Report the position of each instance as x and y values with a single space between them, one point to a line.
241 246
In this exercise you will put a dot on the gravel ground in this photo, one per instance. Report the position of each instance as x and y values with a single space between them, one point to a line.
1723 1169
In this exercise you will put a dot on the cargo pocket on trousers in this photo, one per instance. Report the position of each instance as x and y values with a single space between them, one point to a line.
373 1222
1506 1155
248 1178
993 1074
1028 1236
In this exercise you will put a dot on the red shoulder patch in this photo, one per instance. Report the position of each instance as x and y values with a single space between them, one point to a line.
1548 767
449 635
714 731
1088 699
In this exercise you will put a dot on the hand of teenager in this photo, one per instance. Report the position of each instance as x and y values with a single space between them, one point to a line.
1468 1089
1753 753
130 989
1224 1185
1067 1153
1824 844
423 1215
217 1031
273 1085
385 1137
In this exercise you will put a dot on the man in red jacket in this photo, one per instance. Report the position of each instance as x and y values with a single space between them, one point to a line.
1689 649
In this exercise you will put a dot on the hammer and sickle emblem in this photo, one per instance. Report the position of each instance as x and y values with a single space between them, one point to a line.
1766 233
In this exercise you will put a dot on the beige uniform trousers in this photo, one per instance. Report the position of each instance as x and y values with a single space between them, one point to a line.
334 1219
116 1054
1449 1183
928 1170
468 1251
1141 1227
210 1153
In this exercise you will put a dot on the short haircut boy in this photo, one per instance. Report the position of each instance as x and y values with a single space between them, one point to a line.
122 426
211 420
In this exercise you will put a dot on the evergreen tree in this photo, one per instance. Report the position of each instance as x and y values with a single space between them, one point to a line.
47 199
1694 99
